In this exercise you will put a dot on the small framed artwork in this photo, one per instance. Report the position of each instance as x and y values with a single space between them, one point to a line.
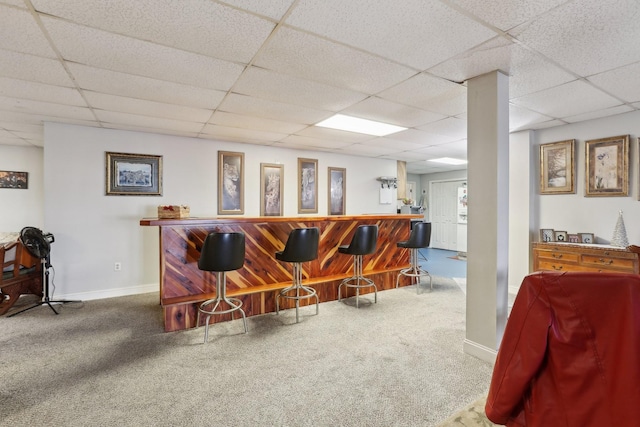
17 180
587 238
271 189
557 167
547 235
560 236
308 185
337 190
573 238
133 174
607 166
230 183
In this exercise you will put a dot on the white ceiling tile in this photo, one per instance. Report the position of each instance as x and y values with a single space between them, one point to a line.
594 35
429 93
549 124
251 106
147 122
124 54
569 99
319 143
522 118
366 149
333 134
22 127
33 119
248 135
397 144
255 123
621 82
33 68
419 33
14 141
45 108
153 130
123 104
273 9
17 3
20 32
420 137
281 88
203 27
310 57
374 108
506 14
451 126
528 71
407 156
121 84
620 109
15 88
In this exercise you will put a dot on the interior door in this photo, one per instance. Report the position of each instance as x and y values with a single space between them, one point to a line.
443 206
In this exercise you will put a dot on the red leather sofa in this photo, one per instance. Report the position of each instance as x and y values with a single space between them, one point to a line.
570 354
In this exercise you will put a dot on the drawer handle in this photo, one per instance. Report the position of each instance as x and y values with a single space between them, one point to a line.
557 267
557 256
602 260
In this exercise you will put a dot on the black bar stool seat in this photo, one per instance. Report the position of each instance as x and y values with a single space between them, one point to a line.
301 246
419 238
363 243
221 252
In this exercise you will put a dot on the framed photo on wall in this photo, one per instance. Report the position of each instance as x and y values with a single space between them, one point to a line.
307 185
18 180
271 189
337 190
230 183
607 166
557 167
133 174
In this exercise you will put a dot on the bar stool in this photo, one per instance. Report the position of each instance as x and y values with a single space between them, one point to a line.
363 243
420 238
221 252
301 246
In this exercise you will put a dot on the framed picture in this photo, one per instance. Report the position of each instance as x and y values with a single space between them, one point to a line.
133 174
337 190
19 180
573 238
607 166
560 236
308 185
271 189
230 183
587 238
547 235
557 167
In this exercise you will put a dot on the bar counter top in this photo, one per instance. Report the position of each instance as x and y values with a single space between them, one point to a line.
183 285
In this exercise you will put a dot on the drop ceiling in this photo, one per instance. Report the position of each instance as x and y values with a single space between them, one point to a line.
264 72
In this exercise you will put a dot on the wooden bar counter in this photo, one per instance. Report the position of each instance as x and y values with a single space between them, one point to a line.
183 285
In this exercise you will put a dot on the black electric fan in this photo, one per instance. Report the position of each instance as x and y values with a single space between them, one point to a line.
38 244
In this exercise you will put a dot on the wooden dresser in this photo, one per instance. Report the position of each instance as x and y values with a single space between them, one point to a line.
584 257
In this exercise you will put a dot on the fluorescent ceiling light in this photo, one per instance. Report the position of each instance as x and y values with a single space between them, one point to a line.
449 161
354 124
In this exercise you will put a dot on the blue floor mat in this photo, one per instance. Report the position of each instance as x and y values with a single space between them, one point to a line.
440 262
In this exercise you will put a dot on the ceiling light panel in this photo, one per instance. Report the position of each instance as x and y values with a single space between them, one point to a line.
355 124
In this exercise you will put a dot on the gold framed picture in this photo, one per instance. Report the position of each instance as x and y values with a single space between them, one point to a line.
307 185
607 166
337 190
230 183
271 189
557 167
133 174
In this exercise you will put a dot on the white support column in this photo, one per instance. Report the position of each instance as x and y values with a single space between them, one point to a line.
488 213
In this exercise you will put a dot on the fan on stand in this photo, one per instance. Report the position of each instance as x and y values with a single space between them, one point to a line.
38 244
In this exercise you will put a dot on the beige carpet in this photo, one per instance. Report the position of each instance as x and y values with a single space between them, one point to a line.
471 416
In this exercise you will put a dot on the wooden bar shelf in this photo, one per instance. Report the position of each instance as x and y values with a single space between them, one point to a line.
183 285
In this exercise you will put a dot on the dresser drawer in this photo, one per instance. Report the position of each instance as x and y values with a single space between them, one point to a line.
550 265
608 262
559 256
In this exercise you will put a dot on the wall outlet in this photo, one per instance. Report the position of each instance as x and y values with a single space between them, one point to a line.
117 266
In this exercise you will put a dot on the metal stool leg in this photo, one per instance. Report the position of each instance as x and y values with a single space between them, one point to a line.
415 272
301 291
360 281
235 304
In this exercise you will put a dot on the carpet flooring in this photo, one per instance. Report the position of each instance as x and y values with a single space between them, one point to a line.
109 363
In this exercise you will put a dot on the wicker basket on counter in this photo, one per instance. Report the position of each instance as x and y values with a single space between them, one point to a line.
173 212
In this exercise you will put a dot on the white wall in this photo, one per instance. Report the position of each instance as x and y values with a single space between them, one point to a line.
575 213
93 231
22 208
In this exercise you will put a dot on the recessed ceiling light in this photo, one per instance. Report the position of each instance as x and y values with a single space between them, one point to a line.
449 161
354 124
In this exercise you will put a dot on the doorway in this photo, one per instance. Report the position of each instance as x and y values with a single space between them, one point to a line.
443 208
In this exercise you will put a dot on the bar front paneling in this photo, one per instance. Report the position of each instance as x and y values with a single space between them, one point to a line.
182 284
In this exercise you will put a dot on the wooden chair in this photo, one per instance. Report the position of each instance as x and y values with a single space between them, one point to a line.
21 275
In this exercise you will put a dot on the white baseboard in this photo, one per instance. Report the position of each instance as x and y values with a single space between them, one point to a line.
111 293
480 351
